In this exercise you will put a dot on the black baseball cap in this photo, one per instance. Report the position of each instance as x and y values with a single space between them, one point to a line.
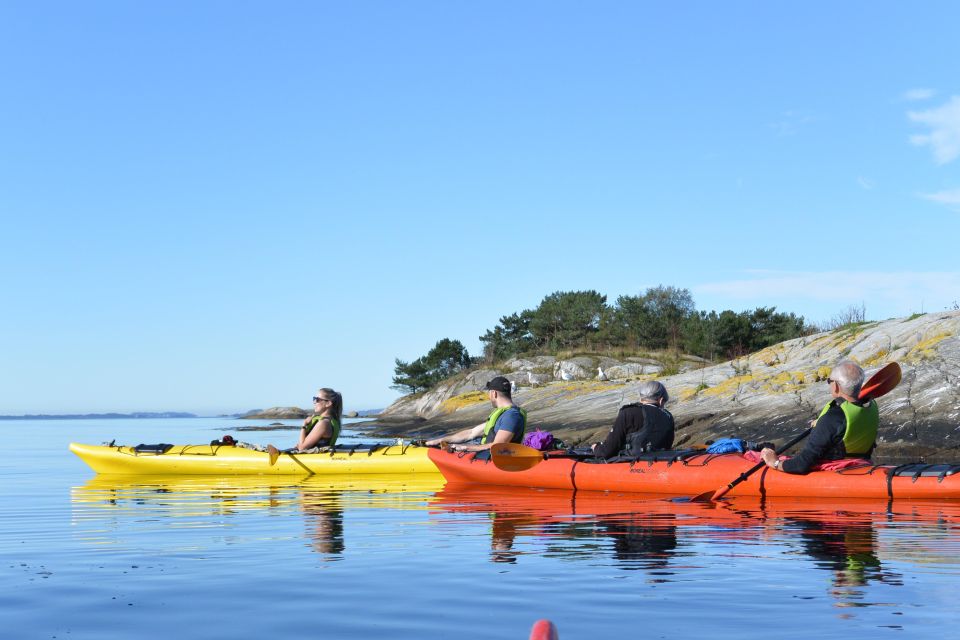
499 384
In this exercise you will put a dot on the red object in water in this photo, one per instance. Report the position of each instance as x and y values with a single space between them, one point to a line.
544 630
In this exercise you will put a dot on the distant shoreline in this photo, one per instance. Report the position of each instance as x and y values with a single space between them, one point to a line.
146 415
107 416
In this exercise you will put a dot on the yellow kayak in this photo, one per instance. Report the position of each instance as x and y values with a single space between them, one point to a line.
217 460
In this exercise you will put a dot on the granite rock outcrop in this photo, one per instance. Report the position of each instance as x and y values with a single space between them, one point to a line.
767 395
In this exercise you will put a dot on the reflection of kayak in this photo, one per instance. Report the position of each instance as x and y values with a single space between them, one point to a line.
198 493
850 536
215 460
249 484
694 472
553 505
107 504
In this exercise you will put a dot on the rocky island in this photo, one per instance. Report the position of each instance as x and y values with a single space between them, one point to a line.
768 395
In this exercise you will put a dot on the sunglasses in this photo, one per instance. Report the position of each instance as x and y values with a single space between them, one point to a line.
319 399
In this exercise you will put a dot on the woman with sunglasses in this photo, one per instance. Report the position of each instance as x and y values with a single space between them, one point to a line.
319 430
322 428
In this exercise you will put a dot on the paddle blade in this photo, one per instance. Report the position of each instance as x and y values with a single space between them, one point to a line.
882 382
510 456
274 453
719 493
706 496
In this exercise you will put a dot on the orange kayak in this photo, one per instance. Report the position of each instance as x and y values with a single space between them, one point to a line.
689 473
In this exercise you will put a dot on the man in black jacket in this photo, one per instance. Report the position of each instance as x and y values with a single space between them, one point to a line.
846 428
641 427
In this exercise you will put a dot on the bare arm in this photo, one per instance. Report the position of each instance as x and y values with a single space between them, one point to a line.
323 429
460 436
501 437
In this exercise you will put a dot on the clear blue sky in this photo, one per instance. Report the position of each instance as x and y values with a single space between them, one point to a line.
216 206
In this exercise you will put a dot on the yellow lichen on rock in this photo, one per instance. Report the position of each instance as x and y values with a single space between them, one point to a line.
463 400
879 356
785 382
574 389
771 356
822 374
729 387
845 341
688 393
924 350
818 340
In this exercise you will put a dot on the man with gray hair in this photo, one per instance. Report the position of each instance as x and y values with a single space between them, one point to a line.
640 427
846 428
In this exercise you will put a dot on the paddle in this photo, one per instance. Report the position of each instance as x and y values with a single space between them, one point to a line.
510 456
709 496
274 453
880 384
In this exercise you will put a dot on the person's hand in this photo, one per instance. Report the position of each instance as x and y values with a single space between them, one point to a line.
593 447
769 456
306 421
432 443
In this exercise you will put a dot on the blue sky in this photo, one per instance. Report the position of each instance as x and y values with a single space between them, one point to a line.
217 206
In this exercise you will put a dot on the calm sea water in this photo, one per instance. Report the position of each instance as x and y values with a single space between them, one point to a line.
83 556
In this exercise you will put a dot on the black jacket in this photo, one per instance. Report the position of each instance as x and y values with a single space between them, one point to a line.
825 441
638 428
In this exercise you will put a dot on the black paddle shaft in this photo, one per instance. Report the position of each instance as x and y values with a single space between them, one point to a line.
746 474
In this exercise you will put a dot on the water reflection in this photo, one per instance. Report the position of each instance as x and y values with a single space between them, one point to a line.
650 533
323 517
642 543
846 547
843 537
855 544
107 505
640 530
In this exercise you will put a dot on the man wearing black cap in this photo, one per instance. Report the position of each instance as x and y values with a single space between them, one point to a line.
506 423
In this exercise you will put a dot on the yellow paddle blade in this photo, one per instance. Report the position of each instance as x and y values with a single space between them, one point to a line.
510 456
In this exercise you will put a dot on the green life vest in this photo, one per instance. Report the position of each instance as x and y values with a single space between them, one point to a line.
492 421
334 427
862 424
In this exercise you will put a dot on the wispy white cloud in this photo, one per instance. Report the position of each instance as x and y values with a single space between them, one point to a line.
914 95
884 293
791 122
866 183
950 197
944 136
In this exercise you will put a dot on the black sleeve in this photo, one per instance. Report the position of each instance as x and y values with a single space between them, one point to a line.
615 441
821 441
